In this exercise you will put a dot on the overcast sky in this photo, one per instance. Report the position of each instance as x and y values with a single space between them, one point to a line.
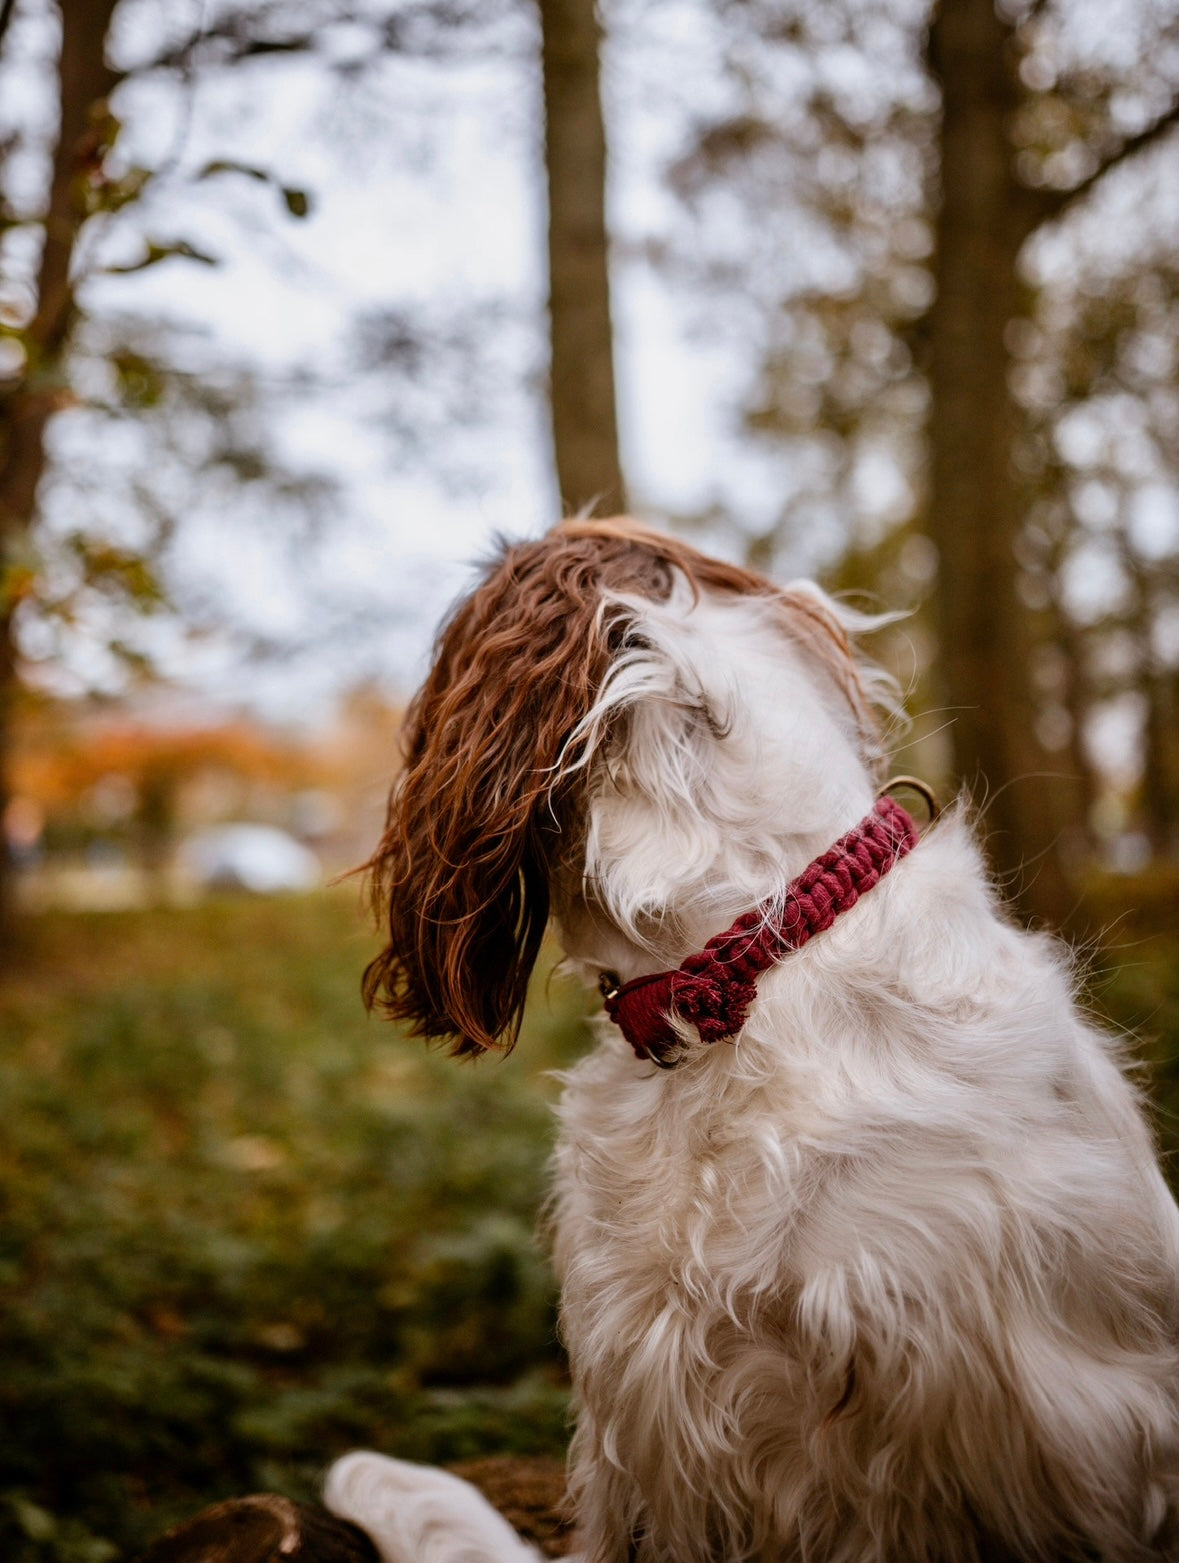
427 204
427 198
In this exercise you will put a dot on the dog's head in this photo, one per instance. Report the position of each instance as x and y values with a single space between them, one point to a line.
622 727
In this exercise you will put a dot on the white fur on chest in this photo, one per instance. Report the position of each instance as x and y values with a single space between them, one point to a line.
888 1226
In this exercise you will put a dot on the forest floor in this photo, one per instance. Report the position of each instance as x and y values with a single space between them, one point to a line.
244 1227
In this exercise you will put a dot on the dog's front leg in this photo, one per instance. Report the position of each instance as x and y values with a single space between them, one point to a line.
419 1514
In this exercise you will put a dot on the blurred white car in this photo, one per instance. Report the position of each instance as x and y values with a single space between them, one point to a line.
260 859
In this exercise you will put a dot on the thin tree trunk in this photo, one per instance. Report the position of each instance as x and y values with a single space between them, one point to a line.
84 81
977 503
1160 758
1157 686
585 432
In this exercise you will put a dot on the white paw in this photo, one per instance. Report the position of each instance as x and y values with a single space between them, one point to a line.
419 1514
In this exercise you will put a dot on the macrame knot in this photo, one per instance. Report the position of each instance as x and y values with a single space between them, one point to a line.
715 1002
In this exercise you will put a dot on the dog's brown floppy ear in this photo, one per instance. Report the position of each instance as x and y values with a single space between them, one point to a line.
481 816
478 817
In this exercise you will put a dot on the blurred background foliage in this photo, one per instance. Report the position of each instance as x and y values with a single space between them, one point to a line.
298 303
884 292
244 1228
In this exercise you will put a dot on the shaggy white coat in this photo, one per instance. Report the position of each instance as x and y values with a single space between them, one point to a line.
894 1276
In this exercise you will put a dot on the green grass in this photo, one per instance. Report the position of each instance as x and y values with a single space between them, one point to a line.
1134 986
243 1227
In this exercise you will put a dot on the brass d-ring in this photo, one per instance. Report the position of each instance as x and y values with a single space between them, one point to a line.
923 790
609 982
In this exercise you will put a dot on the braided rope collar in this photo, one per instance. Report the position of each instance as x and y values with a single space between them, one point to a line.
714 988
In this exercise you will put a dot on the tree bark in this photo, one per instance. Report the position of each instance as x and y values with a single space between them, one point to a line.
263 1528
1158 687
84 80
585 431
977 502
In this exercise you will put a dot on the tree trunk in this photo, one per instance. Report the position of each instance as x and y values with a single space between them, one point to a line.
1158 686
84 81
977 502
585 432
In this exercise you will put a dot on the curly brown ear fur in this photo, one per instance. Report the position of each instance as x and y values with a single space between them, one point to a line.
478 816
481 815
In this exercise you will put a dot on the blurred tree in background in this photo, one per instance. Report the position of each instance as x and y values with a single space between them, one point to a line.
963 262
96 567
1029 130
961 366
585 427
199 422
37 328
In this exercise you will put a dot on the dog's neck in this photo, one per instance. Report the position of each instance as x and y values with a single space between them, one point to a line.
714 988
736 768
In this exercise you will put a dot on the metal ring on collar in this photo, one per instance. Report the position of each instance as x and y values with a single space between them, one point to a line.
914 784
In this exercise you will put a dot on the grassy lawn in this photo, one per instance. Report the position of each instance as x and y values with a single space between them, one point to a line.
245 1228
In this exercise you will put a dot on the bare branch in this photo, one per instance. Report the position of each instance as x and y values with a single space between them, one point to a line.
229 47
6 9
1051 204
424 29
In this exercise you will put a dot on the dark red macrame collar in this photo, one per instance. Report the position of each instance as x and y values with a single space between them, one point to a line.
714 988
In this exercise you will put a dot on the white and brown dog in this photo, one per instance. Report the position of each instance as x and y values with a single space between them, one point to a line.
863 1246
